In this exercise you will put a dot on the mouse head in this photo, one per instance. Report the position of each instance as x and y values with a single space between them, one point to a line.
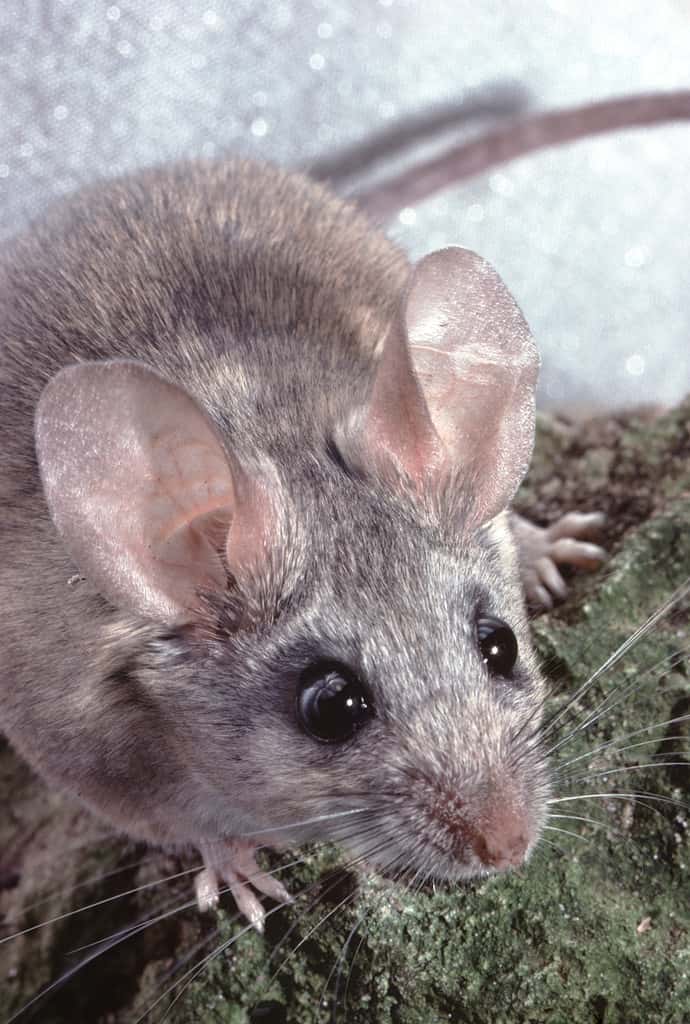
348 650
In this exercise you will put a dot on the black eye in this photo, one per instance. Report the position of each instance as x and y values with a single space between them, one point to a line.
498 645
332 703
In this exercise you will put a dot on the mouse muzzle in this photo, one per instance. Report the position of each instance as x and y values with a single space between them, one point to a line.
495 832
474 805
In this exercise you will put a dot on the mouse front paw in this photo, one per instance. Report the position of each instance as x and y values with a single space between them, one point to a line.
568 541
233 862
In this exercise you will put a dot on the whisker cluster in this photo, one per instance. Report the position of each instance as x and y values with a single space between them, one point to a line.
364 822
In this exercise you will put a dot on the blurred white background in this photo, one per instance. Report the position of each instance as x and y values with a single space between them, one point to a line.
593 238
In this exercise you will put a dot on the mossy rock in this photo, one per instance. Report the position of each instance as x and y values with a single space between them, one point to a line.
596 928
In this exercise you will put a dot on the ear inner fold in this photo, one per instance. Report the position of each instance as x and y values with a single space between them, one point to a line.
477 366
397 417
137 484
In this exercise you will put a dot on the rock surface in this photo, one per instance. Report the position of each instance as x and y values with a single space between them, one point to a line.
596 928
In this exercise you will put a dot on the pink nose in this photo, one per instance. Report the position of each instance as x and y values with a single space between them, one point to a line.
502 841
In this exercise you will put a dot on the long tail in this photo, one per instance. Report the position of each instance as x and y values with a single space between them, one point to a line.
385 199
499 100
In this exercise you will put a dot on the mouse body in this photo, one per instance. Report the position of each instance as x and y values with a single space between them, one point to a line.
258 577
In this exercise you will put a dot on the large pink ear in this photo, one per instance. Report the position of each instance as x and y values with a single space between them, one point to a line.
455 387
140 488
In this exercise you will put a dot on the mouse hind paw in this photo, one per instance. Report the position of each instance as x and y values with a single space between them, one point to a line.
541 550
233 863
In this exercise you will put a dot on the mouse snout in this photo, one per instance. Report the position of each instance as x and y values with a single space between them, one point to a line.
501 841
498 834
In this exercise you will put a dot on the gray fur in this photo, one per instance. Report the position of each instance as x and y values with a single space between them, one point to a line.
268 300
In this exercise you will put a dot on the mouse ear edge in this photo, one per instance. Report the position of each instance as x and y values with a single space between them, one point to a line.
454 389
140 489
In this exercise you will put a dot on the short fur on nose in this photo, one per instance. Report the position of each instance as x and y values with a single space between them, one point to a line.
498 834
502 839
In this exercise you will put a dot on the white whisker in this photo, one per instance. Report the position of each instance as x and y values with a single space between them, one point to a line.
300 824
565 832
612 700
632 746
549 842
678 595
93 956
93 880
630 768
580 817
189 976
634 797
99 903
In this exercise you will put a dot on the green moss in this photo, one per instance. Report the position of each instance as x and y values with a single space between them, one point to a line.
594 929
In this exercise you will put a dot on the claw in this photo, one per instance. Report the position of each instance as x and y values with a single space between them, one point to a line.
539 595
577 524
541 551
248 905
551 577
234 862
577 552
206 889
